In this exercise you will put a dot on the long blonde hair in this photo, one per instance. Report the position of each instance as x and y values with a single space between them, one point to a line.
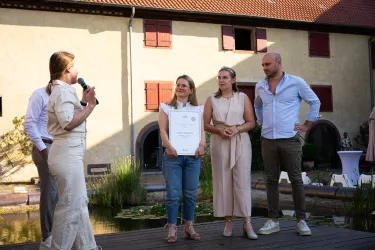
58 63
192 97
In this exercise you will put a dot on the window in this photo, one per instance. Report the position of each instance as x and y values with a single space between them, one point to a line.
157 92
319 45
158 33
242 38
324 93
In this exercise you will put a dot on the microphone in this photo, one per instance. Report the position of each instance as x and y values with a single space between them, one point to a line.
85 86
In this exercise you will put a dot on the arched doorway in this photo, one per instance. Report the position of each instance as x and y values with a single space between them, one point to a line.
326 137
149 150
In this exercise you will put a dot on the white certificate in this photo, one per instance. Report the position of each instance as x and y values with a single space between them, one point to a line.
185 130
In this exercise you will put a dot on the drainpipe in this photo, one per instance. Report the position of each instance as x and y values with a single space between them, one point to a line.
371 74
131 83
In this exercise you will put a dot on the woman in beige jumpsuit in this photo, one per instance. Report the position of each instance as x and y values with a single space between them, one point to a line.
232 116
67 124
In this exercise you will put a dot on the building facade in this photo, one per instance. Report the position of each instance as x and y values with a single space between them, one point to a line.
133 61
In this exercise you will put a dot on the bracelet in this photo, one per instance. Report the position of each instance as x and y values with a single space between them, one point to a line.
238 128
83 104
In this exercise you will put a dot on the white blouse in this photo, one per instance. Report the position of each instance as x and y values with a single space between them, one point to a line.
166 108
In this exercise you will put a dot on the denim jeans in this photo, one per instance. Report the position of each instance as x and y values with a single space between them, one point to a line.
179 173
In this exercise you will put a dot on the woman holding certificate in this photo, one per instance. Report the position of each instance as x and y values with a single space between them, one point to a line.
232 117
182 134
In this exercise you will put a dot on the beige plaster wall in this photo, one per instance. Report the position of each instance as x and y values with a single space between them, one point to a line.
196 51
28 39
101 45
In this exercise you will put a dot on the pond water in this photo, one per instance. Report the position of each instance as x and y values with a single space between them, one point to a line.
24 227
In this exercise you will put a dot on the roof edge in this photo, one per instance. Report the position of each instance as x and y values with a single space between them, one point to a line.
202 13
183 15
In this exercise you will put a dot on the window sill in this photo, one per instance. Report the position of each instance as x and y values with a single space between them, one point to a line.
157 47
312 56
244 52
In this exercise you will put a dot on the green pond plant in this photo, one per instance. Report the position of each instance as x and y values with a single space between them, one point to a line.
360 207
119 188
158 211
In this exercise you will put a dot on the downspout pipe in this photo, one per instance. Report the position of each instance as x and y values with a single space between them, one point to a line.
131 83
371 72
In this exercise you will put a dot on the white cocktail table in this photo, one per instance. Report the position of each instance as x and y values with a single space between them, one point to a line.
350 162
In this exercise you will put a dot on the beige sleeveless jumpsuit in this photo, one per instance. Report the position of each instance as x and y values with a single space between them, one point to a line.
231 160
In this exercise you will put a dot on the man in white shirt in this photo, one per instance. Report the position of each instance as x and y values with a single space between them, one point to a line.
35 126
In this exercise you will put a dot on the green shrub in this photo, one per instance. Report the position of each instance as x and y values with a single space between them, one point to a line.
15 145
205 177
317 176
120 188
18 136
256 146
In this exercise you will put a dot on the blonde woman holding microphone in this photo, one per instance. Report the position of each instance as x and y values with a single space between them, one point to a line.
67 123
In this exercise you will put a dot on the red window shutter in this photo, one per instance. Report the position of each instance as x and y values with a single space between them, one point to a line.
152 96
150 29
324 94
373 54
165 92
261 35
319 44
228 37
164 33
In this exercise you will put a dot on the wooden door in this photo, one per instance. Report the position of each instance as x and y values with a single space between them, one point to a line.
250 92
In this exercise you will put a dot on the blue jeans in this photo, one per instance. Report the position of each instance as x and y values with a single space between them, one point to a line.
181 172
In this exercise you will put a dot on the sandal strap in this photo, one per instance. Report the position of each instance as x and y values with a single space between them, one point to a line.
172 233
190 230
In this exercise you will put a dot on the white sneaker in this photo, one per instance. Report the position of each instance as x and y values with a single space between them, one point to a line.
270 227
303 229
46 244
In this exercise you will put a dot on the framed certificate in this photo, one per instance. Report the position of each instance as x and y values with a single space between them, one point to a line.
185 130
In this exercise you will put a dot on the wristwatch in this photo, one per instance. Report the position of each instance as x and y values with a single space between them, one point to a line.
83 104
238 128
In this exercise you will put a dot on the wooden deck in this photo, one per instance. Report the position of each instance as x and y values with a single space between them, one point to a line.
323 238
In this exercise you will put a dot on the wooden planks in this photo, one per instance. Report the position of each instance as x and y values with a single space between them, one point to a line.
323 238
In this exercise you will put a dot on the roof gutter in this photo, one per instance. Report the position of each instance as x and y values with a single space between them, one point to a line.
371 73
131 82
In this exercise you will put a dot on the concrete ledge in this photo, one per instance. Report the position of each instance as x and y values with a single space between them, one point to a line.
312 191
13 199
327 192
155 188
34 198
